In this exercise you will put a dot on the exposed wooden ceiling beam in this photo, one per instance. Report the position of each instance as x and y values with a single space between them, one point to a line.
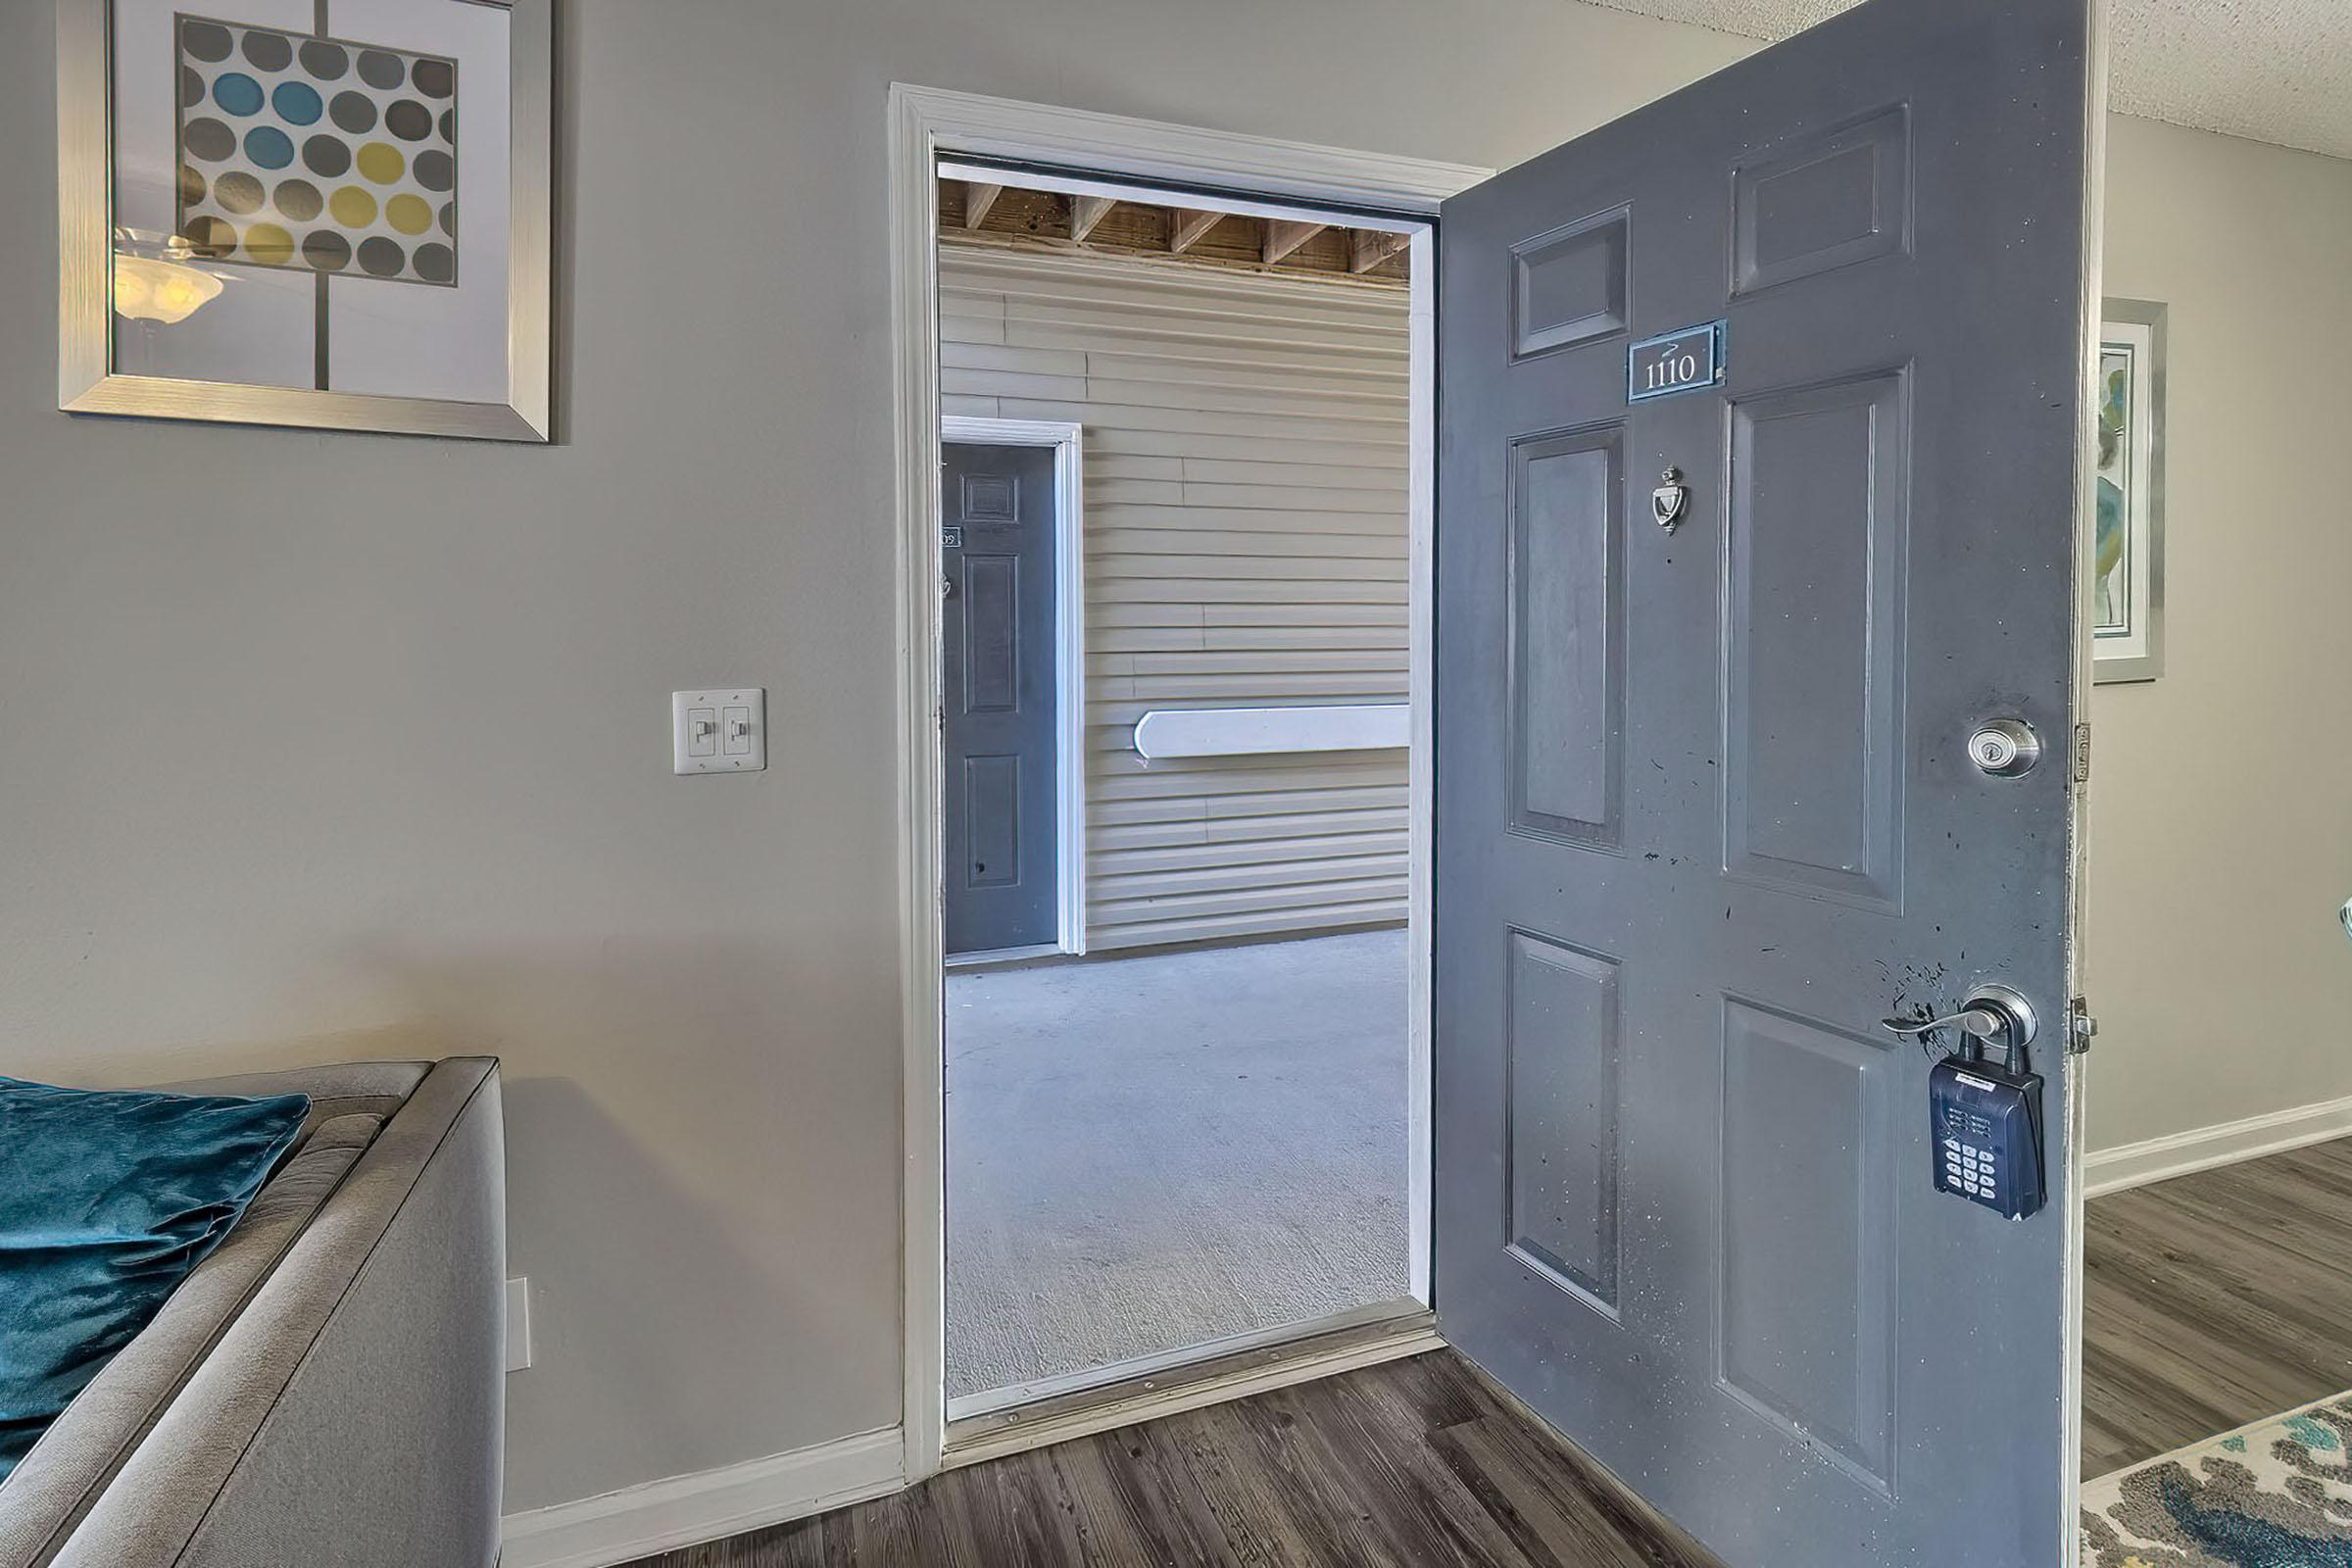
1185 227
977 200
1373 247
1087 214
976 210
1283 236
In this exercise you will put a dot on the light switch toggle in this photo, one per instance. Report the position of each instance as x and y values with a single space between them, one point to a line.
722 731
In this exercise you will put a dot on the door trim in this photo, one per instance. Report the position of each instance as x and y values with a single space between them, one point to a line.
1070 655
926 124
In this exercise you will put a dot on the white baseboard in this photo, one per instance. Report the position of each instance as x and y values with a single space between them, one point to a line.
620 1527
2112 1170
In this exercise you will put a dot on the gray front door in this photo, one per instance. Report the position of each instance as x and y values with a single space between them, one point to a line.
1705 807
999 682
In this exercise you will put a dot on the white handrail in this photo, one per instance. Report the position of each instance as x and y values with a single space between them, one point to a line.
1256 731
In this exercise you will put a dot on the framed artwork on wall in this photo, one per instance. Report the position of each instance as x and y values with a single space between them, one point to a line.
2128 585
331 213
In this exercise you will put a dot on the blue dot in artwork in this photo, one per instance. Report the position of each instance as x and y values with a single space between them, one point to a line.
297 103
270 147
237 93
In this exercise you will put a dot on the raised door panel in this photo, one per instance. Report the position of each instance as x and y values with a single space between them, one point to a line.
992 498
992 634
1806 1320
1567 636
992 802
1828 202
1573 284
1560 1148
1815 578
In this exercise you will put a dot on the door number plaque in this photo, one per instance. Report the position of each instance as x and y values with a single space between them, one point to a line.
1675 362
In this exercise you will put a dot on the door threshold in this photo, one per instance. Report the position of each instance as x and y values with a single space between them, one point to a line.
1031 1416
997 956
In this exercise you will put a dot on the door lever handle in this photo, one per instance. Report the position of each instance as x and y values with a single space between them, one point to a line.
1983 1022
1993 1013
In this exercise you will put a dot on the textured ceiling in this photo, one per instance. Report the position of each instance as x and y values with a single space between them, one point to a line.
2277 70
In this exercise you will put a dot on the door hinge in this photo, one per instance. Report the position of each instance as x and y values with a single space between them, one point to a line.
2082 752
2080 1026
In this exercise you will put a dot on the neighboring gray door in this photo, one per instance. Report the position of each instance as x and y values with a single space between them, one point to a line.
1002 856
1704 809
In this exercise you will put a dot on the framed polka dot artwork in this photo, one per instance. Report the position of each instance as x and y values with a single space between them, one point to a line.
320 155
318 214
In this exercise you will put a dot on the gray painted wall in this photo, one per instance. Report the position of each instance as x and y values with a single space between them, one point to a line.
326 746
2221 797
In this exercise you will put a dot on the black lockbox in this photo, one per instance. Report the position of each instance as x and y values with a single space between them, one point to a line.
1986 1125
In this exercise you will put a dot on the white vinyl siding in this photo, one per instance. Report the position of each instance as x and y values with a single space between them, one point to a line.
1245 523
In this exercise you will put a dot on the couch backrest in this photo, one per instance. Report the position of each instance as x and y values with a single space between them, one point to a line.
54 1486
347 1407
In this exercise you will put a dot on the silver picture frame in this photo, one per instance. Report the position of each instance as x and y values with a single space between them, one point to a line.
87 378
2128 618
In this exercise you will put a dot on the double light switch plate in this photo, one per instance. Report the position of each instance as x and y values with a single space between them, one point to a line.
722 731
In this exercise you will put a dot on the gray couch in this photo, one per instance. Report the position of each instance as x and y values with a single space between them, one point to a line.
327 1389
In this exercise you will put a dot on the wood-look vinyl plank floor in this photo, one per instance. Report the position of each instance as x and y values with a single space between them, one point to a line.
2210 1301
2214 1300
1419 1463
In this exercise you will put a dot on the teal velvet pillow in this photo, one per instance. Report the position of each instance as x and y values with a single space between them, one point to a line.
107 1200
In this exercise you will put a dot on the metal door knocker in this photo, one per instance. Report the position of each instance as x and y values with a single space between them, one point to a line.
1667 500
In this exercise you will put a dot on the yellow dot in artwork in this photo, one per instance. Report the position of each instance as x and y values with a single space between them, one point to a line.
269 244
382 162
411 215
353 207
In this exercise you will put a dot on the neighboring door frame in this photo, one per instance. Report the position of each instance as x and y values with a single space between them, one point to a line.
1069 657
926 124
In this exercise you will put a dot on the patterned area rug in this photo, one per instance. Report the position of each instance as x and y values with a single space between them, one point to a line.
2274 1494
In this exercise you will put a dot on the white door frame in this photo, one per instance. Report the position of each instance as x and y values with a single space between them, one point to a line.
1069 648
924 125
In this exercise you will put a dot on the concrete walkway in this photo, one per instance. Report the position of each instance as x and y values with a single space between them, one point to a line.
1147 1154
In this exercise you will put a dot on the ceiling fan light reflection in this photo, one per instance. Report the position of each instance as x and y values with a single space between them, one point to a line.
149 290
